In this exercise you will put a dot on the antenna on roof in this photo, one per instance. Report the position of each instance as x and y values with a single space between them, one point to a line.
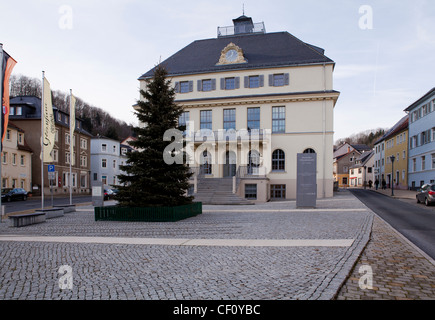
243 8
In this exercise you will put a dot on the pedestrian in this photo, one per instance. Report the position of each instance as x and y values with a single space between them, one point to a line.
370 184
377 183
384 184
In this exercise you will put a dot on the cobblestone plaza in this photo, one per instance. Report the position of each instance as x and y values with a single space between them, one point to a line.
270 251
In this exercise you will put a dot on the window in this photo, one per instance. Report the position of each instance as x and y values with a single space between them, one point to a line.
95 176
104 179
114 149
183 119
404 155
56 136
278 160
254 81
251 191
4 182
14 158
423 163
230 83
229 119
414 165
104 163
206 119
345 180
54 155
277 191
83 161
278 119
253 118
114 164
8 134
20 138
83 181
369 170
67 157
4 157
279 80
207 85
186 86
67 138
83 143
433 160
22 162
345 169
104 147
309 150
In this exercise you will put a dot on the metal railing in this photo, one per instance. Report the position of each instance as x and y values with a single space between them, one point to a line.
258 27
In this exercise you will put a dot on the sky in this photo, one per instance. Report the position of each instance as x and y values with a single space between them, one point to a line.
384 50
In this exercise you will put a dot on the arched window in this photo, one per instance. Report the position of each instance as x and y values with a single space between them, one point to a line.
205 162
309 150
278 160
253 162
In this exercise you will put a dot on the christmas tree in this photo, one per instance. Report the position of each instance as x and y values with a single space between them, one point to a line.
148 179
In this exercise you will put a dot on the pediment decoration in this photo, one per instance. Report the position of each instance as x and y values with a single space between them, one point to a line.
231 54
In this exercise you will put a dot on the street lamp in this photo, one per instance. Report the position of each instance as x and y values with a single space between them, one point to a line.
392 174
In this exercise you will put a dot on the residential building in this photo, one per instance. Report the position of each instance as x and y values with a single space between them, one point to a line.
379 159
106 157
345 157
252 101
26 113
361 174
16 160
421 166
396 144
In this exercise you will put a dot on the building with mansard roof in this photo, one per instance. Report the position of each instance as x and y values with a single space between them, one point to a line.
252 101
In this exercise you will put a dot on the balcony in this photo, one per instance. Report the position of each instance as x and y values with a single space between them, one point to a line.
235 30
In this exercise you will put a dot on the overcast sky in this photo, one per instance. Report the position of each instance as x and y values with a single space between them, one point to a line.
384 50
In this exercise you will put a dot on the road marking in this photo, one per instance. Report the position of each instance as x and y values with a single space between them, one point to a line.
187 242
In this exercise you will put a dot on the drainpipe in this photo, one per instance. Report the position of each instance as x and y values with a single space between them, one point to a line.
324 131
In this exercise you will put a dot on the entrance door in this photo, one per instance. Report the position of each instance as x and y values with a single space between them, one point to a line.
230 164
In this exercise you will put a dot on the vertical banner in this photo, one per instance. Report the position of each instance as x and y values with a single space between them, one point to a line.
48 124
72 125
7 65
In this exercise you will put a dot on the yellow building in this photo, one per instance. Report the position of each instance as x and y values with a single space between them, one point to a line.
253 101
16 160
396 144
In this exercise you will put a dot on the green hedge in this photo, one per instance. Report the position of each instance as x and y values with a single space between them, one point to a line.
150 214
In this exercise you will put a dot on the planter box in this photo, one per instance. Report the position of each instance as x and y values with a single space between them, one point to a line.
148 214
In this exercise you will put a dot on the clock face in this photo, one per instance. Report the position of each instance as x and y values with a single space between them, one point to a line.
231 55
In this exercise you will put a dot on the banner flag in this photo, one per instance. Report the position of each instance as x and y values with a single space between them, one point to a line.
8 63
72 125
48 125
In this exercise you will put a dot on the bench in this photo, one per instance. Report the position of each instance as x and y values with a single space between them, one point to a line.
51 213
21 220
67 208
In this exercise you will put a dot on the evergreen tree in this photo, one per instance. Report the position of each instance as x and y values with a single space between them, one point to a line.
148 180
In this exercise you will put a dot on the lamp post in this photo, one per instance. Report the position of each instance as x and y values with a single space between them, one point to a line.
392 174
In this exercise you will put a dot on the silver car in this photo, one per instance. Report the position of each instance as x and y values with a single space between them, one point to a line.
426 194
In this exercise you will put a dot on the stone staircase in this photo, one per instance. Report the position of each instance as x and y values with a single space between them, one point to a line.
218 191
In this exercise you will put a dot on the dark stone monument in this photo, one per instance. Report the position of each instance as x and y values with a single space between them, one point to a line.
306 184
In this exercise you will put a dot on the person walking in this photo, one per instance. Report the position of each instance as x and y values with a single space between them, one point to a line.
384 184
377 184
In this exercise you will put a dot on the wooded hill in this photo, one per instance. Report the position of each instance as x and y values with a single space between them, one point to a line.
368 137
95 119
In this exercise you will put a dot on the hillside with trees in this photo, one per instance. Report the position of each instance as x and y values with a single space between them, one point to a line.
95 119
368 137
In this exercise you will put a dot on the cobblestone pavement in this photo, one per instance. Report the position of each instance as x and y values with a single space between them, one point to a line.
399 270
30 270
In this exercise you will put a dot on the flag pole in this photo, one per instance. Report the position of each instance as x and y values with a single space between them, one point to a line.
71 143
42 142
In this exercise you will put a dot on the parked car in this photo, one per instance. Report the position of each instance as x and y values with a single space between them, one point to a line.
108 194
426 194
14 194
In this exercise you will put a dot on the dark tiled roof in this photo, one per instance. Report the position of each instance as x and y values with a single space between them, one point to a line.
260 50
402 124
